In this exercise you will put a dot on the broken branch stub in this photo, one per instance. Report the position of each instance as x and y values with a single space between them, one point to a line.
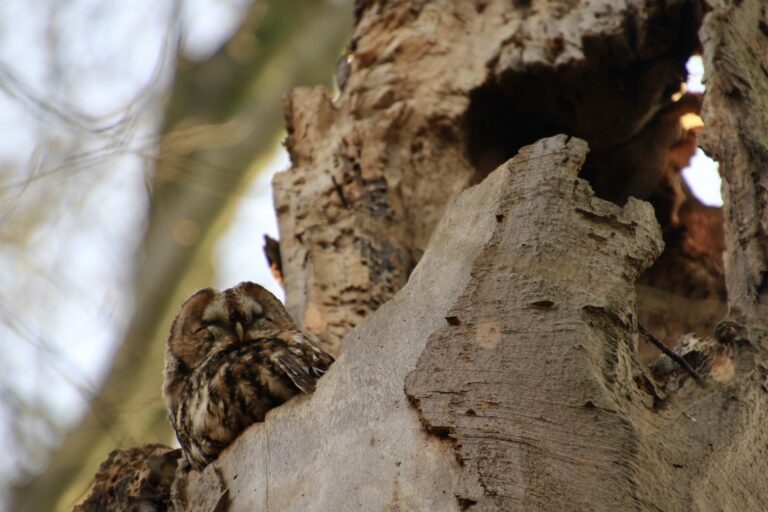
530 382
535 381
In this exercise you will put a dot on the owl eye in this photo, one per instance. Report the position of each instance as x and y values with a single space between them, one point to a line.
203 332
205 325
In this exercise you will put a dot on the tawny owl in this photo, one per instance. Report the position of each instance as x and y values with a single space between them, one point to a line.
136 479
231 357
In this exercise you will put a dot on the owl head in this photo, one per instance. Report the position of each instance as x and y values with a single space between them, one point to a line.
211 320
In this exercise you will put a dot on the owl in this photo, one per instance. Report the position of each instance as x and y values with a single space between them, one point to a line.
231 357
136 479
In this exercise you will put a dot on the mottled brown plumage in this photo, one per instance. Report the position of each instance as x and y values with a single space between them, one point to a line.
231 357
136 480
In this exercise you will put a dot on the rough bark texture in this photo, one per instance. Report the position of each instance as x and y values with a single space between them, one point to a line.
736 36
441 93
504 375
534 377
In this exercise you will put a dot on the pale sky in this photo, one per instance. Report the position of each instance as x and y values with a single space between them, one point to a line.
78 95
701 176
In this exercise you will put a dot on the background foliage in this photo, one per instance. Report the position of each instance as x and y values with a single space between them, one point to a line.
136 138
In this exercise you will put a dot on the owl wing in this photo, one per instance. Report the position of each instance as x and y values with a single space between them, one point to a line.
136 477
301 361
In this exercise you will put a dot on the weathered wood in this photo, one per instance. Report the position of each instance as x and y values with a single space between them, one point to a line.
735 35
438 95
531 381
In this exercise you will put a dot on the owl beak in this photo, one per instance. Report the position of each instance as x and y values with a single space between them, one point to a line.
239 330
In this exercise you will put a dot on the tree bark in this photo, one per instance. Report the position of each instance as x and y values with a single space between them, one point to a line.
439 95
504 374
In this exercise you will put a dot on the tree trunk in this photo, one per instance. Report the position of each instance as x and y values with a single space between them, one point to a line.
502 372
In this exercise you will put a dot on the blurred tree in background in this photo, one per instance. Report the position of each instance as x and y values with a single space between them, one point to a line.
199 121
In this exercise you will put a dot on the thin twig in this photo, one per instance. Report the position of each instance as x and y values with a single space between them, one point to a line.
672 355
340 193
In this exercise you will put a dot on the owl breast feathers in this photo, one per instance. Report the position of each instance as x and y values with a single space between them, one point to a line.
231 357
